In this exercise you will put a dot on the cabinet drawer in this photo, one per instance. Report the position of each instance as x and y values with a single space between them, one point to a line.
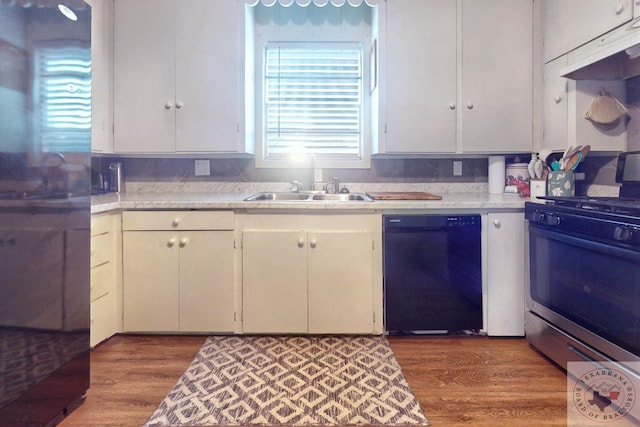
178 220
103 314
101 281
101 249
100 224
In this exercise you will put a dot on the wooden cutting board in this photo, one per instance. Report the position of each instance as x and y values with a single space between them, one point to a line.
402 195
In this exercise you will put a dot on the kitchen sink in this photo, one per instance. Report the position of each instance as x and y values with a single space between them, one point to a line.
343 197
309 197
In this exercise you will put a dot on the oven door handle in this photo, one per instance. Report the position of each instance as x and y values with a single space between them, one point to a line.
609 249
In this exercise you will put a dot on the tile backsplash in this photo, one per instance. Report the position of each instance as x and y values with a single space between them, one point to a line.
243 170
599 170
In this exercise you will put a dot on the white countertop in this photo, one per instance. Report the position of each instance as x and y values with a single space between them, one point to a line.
223 200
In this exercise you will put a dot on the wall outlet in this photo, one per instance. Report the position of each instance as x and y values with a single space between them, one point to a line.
317 175
203 168
457 168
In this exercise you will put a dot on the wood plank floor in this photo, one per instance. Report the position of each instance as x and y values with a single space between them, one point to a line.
458 381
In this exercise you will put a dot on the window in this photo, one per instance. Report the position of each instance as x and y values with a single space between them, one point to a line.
64 98
313 100
310 93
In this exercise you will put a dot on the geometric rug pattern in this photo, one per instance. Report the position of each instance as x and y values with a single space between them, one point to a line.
291 381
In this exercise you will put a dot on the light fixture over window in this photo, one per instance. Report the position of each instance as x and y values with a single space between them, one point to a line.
70 14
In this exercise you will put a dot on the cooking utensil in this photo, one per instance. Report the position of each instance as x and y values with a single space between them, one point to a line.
569 152
573 161
585 150
544 155
531 167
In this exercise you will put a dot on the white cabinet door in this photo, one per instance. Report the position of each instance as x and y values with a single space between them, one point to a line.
177 76
340 278
555 104
274 281
505 274
150 270
101 88
420 77
572 23
497 76
144 76
208 70
207 264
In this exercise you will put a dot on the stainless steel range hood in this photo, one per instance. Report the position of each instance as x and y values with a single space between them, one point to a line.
613 56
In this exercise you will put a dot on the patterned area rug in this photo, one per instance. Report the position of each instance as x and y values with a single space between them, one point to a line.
291 380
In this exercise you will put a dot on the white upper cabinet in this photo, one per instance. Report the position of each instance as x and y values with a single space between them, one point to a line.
101 71
421 77
178 76
456 80
572 23
497 76
555 104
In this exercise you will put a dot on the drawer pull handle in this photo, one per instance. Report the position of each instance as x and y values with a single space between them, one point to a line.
301 242
171 242
183 242
175 222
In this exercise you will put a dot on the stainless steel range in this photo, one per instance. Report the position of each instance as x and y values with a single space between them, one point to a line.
583 299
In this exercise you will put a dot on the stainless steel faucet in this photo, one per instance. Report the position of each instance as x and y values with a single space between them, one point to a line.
44 169
333 186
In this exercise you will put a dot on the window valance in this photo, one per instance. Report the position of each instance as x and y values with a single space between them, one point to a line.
320 3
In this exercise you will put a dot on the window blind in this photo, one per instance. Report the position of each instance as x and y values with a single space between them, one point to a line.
64 84
313 100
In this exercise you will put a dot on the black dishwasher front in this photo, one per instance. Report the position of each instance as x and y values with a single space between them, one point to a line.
432 273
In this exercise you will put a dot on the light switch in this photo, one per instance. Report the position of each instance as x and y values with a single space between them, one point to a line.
203 168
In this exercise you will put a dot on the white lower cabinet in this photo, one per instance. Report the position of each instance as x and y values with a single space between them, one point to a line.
311 274
106 284
505 274
178 271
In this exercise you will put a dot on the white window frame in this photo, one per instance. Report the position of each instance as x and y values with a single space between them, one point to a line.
302 159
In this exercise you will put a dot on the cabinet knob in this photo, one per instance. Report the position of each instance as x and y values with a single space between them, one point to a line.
168 105
301 242
179 105
497 223
171 242
452 106
183 242
557 99
470 105
175 222
620 8
313 243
